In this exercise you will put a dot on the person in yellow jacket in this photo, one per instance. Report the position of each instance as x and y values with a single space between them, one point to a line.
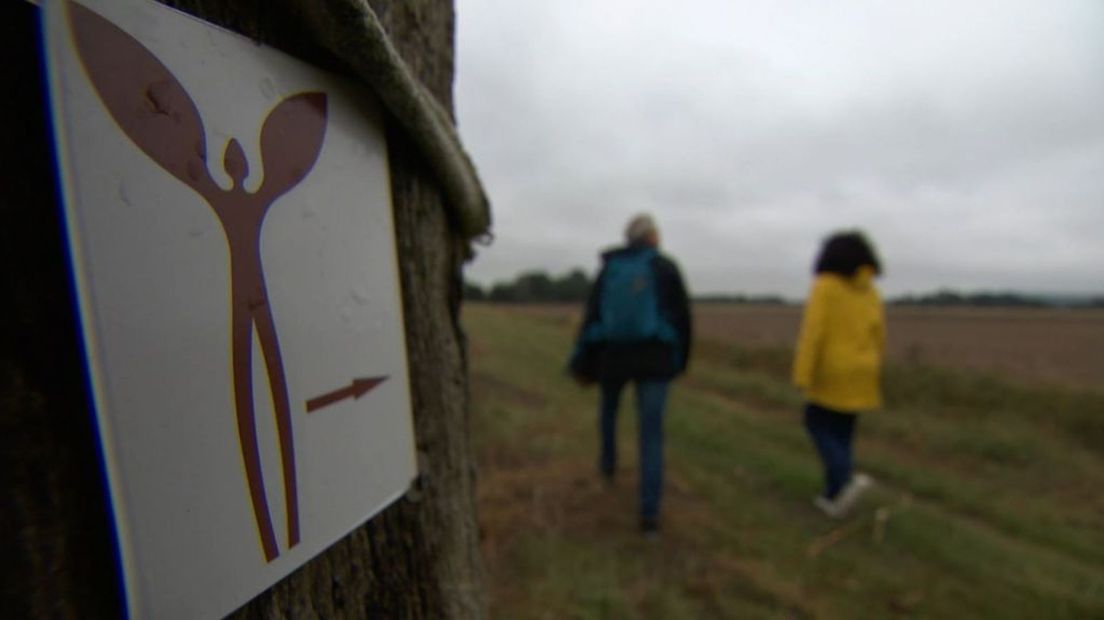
838 360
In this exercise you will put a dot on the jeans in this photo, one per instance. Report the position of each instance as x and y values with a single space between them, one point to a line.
651 398
832 433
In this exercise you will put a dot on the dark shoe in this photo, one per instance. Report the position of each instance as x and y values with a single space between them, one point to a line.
607 479
649 526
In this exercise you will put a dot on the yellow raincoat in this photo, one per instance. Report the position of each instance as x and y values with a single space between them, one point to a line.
842 342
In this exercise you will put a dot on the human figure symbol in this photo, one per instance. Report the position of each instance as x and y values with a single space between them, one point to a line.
155 111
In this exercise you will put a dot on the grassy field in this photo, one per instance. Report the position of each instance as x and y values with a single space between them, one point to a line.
988 503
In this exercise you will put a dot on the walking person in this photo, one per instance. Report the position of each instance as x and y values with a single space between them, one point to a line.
636 329
838 361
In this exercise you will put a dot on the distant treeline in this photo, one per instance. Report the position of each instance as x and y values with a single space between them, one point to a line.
994 299
534 287
740 298
574 286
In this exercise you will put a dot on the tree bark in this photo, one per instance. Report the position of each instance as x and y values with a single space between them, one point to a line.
417 559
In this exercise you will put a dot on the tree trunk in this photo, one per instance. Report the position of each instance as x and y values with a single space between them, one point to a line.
417 559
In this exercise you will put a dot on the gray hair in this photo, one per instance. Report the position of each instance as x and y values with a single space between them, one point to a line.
639 227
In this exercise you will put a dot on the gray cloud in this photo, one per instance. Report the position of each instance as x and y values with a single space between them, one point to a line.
968 140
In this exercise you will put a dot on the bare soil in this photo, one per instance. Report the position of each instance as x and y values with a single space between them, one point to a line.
1062 347
1055 346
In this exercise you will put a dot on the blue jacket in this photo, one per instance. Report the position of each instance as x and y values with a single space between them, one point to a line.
650 359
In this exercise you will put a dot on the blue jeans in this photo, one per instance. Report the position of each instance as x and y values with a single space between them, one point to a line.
651 398
832 433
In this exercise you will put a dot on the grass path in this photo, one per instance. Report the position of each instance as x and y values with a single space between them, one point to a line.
987 510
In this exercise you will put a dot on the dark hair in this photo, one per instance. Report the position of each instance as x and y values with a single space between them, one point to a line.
844 252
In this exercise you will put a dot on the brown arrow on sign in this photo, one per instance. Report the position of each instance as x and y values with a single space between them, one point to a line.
359 387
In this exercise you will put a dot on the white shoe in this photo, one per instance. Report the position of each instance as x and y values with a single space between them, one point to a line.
850 494
828 507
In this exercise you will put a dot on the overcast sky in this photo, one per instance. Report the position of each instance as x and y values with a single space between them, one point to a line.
966 137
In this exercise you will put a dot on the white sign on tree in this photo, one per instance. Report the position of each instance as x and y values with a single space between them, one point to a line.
229 215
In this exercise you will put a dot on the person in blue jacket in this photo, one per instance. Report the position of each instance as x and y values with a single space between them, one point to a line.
637 328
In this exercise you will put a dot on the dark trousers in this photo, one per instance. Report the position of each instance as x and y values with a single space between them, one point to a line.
832 433
651 398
